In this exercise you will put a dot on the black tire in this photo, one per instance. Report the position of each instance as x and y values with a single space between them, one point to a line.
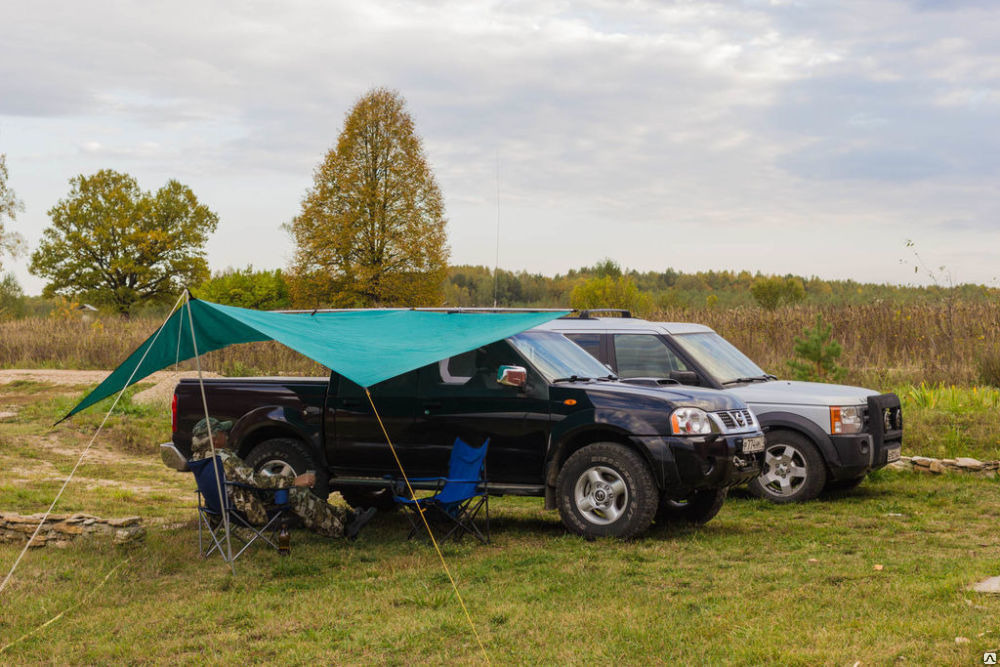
279 453
793 469
841 485
698 508
606 490
360 496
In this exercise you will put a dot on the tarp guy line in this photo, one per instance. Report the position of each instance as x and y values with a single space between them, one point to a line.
80 460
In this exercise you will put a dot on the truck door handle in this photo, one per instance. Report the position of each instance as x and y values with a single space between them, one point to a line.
430 406
350 402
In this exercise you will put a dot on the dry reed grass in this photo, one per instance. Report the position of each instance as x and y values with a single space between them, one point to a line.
885 345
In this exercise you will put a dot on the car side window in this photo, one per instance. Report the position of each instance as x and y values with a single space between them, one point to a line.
645 355
473 371
458 369
591 342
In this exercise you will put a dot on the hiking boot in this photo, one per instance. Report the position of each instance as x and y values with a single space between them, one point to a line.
360 518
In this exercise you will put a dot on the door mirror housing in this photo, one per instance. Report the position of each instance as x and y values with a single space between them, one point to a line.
685 377
512 376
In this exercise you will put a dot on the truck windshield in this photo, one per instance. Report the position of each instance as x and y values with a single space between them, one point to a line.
556 356
718 356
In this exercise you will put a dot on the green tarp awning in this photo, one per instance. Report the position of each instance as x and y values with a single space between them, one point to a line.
365 346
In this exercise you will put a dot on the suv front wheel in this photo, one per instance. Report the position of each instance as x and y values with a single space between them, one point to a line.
606 490
793 469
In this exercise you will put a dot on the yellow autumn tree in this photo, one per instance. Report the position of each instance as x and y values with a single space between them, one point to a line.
372 228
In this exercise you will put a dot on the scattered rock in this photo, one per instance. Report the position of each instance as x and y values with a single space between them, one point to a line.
969 464
961 640
962 464
878 568
991 585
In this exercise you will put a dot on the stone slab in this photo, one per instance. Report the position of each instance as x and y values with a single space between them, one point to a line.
991 585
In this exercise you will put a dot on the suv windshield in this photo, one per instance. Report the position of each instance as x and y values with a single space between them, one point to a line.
718 356
556 356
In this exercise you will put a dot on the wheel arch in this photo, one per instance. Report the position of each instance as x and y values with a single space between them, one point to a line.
270 422
573 441
788 421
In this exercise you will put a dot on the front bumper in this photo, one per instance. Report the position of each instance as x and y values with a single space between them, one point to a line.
864 452
687 464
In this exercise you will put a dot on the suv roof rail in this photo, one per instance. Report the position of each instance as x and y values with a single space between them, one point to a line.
588 314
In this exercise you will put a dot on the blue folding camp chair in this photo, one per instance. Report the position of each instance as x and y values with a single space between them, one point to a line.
459 497
210 512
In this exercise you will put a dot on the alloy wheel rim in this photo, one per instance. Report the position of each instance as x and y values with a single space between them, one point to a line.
601 495
277 468
785 470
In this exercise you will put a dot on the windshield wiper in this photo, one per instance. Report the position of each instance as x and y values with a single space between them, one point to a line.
611 377
573 378
766 377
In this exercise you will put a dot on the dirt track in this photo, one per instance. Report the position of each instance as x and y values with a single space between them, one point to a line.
161 391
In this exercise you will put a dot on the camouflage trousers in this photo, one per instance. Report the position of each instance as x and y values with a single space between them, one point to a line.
317 514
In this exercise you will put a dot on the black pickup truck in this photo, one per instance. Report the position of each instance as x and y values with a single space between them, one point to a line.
609 455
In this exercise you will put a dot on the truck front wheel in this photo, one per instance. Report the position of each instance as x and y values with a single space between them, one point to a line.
606 490
793 469
284 456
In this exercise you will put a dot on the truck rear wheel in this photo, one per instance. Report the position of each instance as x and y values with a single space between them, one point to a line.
283 456
606 490
793 469
698 508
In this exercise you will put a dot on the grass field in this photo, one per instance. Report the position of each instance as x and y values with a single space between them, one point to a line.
878 575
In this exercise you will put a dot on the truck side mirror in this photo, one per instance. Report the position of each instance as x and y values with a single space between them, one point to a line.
684 377
512 376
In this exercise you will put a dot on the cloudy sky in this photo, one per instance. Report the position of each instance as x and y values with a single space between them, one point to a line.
786 136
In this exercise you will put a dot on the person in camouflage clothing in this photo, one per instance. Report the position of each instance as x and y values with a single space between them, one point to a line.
316 513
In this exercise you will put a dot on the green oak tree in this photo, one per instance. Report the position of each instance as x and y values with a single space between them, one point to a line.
112 243
372 228
260 290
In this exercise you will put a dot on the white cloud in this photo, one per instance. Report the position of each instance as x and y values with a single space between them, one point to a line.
626 129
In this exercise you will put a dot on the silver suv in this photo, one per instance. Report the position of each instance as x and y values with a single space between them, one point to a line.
819 436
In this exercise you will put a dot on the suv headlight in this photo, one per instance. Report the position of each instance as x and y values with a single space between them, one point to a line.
846 419
690 421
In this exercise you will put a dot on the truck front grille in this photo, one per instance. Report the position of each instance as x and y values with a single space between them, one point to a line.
736 420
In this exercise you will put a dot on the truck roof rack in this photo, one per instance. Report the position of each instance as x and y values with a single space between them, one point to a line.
442 309
588 314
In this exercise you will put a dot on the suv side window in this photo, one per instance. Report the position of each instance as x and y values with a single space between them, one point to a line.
591 342
645 355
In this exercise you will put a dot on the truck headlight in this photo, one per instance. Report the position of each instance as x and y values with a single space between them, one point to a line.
690 421
845 419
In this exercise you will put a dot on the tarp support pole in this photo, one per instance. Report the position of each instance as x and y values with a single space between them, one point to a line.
423 518
211 439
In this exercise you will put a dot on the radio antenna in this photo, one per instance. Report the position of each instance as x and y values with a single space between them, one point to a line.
496 267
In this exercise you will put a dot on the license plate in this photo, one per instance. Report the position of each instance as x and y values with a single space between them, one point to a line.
754 444
892 455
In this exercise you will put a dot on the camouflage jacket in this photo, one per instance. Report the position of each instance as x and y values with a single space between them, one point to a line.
246 500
